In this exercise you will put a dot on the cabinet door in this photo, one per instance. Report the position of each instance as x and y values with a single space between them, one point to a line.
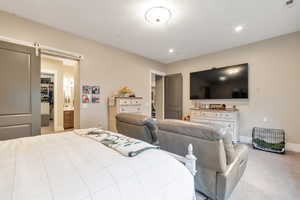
68 119
20 91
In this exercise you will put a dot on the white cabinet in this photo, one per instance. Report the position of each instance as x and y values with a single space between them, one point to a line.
122 105
228 119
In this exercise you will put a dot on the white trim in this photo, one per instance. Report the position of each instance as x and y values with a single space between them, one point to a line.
163 74
60 128
15 41
293 147
246 139
61 59
289 146
158 72
43 48
58 52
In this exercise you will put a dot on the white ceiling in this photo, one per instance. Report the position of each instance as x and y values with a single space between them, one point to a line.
197 27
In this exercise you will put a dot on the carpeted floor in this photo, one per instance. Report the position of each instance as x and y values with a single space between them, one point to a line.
269 177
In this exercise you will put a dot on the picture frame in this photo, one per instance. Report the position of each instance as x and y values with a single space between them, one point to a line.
95 89
86 89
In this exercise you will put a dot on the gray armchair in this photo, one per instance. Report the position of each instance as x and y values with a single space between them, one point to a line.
220 164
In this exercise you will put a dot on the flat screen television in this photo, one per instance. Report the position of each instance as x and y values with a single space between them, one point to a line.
220 83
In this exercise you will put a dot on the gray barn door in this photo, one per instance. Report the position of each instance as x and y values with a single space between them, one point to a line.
19 91
173 96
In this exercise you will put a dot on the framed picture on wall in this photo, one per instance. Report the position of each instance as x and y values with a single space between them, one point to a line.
90 94
95 89
96 98
86 89
86 98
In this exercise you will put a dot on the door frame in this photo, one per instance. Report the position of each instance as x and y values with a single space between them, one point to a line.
77 92
162 74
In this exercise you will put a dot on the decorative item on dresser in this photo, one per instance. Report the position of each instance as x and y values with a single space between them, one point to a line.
118 105
227 117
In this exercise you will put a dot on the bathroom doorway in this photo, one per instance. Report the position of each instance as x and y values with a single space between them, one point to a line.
60 94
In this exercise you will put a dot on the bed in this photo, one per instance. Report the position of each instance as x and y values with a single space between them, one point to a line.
71 167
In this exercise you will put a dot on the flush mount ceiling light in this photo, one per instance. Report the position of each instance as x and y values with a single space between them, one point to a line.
171 50
158 15
238 29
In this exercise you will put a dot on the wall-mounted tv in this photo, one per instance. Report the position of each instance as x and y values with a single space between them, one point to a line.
220 83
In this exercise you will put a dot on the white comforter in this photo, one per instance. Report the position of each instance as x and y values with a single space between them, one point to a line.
71 167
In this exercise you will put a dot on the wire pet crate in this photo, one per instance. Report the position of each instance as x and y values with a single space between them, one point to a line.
272 140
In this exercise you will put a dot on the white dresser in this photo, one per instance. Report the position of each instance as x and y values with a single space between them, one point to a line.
228 118
122 105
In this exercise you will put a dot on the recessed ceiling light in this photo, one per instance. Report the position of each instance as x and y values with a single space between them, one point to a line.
238 28
158 15
171 50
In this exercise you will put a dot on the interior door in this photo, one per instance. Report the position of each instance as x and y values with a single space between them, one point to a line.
173 96
20 91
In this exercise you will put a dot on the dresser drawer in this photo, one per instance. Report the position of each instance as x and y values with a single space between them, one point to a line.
214 115
130 109
124 102
228 119
136 102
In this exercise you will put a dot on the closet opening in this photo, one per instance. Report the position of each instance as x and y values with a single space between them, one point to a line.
157 95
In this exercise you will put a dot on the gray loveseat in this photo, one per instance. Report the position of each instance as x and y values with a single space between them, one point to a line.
220 164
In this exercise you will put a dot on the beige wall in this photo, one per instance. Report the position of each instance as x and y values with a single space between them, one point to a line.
274 82
106 66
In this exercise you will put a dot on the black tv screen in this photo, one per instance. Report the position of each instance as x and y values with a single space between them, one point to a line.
221 83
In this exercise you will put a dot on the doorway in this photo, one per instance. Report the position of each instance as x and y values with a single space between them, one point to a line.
60 95
47 102
173 93
157 95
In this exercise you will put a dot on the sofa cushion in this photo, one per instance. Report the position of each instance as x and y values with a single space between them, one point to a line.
131 118
205 131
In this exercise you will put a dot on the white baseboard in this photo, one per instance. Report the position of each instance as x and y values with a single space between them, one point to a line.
246 139
293 147
289 146
58 129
